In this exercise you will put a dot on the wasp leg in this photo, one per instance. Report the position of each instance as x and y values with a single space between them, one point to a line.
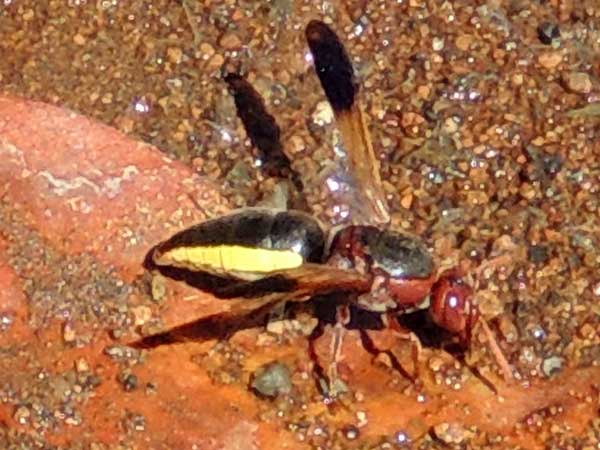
277 313
369 345
391 320
342 318
328 381
500 360
475 372
321 378
497 352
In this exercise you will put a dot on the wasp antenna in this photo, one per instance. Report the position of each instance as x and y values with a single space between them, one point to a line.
495 348
332 65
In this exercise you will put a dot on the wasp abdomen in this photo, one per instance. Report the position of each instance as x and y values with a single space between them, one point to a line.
247 244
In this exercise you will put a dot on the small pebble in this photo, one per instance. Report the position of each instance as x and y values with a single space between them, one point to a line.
68 333
134 421
552 365
450 433
175 54
578 82
296 144
463 42
272 379
207 50
141 314
361 416
548 32
406 201
423 91
435 364
450 125
128 381
79 39
276 327
550 60
73 421
158 288
490 304
527 191
81 365
351 432
230 41
215 62
322 114
120 352
587 331
410 119
107 98
22 415
28 15
402 438
538 254
7 318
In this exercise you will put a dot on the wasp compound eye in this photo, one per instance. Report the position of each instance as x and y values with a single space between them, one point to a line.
452 307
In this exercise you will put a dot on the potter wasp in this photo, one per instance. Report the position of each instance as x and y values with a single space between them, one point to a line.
276 256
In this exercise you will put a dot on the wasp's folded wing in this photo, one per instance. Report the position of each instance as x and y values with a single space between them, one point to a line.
301 285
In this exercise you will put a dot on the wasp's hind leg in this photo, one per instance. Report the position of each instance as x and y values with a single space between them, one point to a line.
328 379
391 320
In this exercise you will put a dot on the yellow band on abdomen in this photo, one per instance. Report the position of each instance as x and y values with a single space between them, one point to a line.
231 258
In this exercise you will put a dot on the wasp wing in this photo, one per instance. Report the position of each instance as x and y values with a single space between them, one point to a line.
264 133
296 285
336 74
